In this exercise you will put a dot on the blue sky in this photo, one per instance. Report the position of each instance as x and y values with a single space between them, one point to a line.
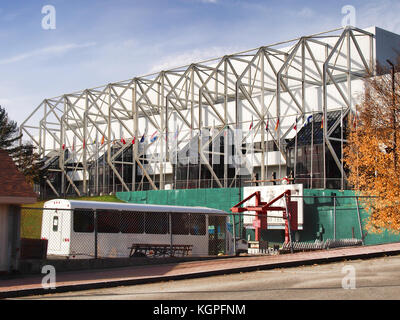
100 41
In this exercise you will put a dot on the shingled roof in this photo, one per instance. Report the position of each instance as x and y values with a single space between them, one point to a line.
13 187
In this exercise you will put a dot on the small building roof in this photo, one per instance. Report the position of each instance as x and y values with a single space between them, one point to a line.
13 187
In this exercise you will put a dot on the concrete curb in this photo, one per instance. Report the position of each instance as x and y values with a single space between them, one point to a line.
127 282
34 266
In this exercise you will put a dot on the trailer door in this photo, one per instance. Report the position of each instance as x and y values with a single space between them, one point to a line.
216 235
55 226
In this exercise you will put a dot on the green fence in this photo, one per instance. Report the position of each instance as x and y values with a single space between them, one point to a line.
319 212
222 199
319 216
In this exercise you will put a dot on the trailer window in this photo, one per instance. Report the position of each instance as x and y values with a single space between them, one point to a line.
180 223
55 223
156 222
132 222
83 221
108 221
197 224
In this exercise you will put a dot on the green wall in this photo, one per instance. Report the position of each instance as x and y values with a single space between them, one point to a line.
318 212
222 199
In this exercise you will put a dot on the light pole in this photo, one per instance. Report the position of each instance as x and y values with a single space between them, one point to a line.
394 116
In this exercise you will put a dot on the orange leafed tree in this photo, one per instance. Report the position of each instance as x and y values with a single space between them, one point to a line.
372 153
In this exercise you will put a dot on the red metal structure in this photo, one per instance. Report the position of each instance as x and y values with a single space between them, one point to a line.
262 208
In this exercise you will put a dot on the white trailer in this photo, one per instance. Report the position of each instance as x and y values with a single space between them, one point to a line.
69 227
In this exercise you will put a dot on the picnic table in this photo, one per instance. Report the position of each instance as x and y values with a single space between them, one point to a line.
159 250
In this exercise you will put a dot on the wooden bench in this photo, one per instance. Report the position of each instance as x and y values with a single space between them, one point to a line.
159 250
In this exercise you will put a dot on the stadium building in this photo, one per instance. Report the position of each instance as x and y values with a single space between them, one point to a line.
246 119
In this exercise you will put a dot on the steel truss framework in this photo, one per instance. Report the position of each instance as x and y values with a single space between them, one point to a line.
270 85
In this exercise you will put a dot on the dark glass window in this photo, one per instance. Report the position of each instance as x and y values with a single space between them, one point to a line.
132 222
271 146
197 224
156 222
180 223
55 223
108 221
83 220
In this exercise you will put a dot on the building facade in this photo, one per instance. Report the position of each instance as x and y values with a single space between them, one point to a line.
259 115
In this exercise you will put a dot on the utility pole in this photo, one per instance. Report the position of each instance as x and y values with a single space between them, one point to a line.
394 116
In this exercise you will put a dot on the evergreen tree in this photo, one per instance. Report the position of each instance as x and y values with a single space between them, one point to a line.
24 155
9 134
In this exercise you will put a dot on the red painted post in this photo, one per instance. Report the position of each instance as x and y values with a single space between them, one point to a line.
286 231
257 227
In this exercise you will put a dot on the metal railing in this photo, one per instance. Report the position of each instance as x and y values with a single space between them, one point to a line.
107 189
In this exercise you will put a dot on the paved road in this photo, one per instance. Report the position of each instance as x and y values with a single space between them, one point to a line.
374 279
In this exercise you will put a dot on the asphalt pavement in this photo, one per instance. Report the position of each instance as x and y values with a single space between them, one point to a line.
372 279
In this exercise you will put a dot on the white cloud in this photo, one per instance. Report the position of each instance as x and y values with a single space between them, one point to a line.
45 51
383 14
130 43
4 101
192 56
306 13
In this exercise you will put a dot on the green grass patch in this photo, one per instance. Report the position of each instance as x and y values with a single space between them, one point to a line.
31 223
31 218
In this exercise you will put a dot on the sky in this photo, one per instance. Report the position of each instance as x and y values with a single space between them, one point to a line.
95 42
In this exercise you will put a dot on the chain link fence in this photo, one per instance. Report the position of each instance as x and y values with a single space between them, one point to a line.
104 233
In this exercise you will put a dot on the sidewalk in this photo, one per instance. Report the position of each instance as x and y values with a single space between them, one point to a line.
92 279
